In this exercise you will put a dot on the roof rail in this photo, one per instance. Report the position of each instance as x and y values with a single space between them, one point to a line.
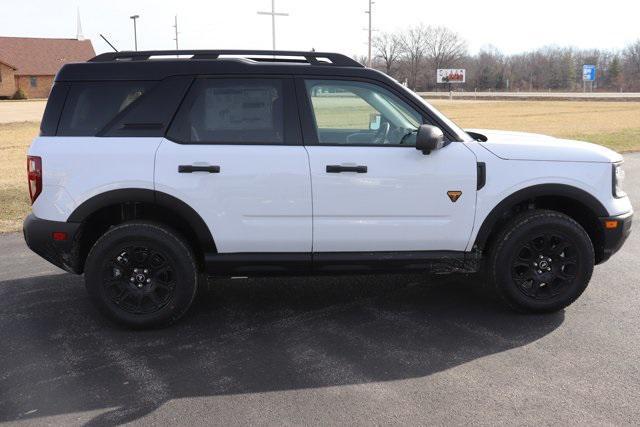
314 58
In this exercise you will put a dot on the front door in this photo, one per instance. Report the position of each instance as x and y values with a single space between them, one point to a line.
372 190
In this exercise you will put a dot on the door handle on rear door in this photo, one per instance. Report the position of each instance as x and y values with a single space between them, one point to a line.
340 168
194 168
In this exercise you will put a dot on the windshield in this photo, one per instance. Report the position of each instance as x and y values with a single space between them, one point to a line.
459 132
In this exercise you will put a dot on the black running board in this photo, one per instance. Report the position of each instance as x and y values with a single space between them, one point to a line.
264 264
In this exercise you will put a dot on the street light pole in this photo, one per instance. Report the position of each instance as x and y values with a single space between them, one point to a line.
273 14
135 31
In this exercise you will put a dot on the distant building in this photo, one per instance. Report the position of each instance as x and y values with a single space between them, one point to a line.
30 64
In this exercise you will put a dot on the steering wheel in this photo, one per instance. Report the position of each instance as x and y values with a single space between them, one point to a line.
382 134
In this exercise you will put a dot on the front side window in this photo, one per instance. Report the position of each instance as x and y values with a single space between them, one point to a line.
231 111
91 106
358 113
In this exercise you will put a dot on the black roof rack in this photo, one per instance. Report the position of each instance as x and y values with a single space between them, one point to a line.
314 58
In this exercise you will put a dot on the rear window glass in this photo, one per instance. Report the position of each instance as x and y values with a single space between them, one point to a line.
223 111
91 106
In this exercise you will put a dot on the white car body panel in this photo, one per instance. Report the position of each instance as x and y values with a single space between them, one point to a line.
263 199
530 146
400 204
505 177
259 202
78 168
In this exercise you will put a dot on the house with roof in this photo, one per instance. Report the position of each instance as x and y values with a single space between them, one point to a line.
31 64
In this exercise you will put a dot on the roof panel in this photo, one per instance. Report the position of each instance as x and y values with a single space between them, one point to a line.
39 56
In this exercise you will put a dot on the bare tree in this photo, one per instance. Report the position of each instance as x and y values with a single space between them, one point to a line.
444 48
414 43
632 66
388 47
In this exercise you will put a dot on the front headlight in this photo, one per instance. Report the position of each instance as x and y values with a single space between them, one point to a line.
618 180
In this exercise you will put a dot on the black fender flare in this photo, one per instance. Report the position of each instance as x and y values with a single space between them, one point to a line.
141 195
529 193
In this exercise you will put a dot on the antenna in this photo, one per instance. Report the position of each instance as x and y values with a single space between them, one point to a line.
109 43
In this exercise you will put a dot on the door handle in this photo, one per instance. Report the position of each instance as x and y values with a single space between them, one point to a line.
340 168
193 168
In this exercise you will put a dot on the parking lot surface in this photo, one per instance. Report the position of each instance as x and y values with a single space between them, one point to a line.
21 111
349 350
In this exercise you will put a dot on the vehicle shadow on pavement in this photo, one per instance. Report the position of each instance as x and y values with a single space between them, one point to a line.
59 356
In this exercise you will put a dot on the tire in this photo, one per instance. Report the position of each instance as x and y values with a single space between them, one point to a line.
541 261
141 275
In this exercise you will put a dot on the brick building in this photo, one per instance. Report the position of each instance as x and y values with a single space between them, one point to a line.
31 64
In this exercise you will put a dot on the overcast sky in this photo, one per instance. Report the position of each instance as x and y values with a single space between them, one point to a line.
327 25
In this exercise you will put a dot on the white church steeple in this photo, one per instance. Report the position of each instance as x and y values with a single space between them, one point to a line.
79 35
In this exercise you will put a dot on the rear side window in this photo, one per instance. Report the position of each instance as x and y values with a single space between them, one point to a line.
232 111
90 106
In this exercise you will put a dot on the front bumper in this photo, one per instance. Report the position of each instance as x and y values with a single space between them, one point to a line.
614 237
38 233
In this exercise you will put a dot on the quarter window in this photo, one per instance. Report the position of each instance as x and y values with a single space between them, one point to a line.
91 106
358 113
232 111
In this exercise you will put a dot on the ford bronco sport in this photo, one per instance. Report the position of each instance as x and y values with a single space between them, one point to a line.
155 169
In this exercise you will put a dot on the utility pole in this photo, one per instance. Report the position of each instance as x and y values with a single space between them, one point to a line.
176 27
135 31
370 29
273 14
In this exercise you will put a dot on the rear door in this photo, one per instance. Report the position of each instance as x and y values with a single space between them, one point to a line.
234 154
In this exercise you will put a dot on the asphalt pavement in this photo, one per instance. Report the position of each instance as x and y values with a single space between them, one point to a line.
351 350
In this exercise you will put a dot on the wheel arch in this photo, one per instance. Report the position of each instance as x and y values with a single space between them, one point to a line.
583 207
99 212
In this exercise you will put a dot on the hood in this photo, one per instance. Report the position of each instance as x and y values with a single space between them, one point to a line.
530 146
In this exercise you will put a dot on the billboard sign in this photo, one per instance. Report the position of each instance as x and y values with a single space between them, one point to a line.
588 73
451 75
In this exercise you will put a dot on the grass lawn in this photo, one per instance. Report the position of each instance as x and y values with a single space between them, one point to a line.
612 124
14 195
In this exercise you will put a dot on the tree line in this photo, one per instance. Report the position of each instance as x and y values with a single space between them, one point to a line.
412 56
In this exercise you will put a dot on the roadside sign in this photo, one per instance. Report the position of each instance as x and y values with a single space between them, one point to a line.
451 75
588 73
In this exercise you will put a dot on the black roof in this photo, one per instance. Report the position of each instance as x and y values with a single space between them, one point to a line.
157 65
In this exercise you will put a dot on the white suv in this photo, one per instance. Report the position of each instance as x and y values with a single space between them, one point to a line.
150 173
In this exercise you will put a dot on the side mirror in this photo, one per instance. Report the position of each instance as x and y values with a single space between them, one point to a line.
429 138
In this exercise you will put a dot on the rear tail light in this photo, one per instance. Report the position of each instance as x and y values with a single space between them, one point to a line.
34 175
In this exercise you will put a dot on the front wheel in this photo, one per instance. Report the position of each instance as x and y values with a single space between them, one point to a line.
141 275
541 261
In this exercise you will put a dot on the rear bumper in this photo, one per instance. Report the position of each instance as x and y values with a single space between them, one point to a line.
38 234
614 238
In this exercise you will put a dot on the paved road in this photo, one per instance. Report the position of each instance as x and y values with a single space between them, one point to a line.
21 111
545 96
353 350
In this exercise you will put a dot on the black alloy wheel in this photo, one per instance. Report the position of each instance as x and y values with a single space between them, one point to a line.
540 261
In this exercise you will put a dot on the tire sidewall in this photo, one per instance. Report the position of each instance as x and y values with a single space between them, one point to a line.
156 237
522 230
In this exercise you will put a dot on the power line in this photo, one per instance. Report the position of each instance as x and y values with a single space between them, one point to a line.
369 12
273 14
176 28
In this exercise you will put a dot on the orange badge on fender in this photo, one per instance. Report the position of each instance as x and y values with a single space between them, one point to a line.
454 195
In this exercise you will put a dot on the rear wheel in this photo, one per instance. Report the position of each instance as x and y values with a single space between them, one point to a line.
541 261
141 275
